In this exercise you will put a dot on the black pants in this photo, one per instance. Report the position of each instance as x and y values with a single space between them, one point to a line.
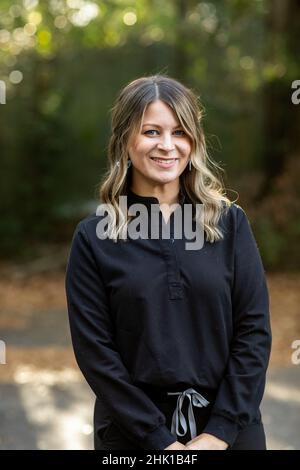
108 435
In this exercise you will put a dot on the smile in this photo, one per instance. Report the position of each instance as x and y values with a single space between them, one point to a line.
164 162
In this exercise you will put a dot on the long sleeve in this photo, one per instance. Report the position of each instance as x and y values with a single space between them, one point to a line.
242 386
93 339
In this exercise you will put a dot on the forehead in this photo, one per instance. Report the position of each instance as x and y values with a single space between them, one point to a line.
161 114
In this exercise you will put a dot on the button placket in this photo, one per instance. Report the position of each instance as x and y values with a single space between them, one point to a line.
171 259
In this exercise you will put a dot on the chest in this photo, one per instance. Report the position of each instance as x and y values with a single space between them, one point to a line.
164 267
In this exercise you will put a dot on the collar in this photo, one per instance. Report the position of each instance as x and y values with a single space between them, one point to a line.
133 198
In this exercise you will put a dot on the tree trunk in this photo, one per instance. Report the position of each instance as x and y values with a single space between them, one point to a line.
281 116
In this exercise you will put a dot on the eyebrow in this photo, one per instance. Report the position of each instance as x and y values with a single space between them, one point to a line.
157 125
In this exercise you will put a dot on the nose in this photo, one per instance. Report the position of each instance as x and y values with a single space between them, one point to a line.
166 143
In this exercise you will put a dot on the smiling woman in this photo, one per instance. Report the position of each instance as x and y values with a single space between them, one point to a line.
156 127
152 151
174 342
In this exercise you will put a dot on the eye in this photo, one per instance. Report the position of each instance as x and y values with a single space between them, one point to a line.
151 130
183 133
154 130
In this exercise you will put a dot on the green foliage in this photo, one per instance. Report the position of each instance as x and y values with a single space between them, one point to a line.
270 242
75 55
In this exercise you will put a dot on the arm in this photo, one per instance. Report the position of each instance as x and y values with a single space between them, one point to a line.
92 333
242 387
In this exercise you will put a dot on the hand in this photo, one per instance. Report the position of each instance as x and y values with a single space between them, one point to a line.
206 442
176 446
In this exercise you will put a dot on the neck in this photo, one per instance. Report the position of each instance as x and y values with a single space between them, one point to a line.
166 194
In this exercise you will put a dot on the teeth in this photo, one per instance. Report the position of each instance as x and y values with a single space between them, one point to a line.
165 160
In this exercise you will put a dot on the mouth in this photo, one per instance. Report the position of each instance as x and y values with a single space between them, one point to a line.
164 162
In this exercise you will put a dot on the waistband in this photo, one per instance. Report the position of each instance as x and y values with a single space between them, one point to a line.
165 394
197 396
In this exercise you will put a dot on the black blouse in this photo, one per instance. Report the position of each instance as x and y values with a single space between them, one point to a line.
149 312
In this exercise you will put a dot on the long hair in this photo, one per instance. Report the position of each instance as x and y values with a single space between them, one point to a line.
200 183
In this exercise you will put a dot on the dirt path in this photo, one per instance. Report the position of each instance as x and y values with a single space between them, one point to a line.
45 402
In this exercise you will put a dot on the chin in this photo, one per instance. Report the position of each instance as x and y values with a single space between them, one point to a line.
163 180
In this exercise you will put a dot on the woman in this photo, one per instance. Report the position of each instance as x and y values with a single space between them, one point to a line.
174 341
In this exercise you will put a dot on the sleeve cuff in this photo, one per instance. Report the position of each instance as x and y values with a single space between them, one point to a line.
158 439
223 428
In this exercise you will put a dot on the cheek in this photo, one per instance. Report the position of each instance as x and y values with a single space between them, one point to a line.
142 146
186 148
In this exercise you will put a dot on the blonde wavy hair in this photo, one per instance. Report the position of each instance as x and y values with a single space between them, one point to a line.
200 184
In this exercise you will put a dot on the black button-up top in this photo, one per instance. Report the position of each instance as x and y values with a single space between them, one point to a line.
149 312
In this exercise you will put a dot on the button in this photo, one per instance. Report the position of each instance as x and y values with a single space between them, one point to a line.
172 240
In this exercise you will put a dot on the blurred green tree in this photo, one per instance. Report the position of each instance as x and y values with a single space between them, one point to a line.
63 61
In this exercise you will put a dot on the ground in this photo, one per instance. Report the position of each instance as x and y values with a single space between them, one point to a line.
46 403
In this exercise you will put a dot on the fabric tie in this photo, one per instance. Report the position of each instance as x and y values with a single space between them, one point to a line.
196 399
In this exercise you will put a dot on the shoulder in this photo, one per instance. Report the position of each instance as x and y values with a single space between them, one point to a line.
87 226
88 222
232 216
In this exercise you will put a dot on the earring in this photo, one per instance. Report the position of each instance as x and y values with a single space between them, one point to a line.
190 165
118 163
128 164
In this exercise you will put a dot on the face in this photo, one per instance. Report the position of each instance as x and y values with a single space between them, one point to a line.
161 150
